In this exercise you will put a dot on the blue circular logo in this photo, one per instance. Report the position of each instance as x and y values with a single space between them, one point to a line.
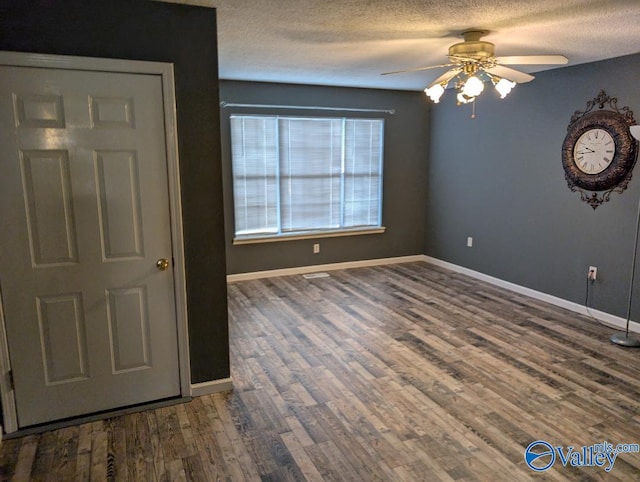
539 455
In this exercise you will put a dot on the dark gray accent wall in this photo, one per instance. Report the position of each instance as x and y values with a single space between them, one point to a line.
186 37
499 179
406 146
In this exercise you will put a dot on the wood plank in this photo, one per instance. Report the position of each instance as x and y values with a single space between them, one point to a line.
400 372
64 457
117 468
26 457
83 455
230 436
99 450
306 466
44 458
156 455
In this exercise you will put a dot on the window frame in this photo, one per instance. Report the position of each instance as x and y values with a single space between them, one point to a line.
265 237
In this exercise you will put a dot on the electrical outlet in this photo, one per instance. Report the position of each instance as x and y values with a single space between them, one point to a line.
316 248
592 273
469 242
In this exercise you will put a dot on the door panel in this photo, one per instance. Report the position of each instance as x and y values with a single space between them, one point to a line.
63 340
119 202
129 329
49 212
84 215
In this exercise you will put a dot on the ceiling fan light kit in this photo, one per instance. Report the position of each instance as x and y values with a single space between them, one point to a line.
470 86
473 62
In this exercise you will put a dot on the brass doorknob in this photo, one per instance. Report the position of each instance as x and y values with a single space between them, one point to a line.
162 264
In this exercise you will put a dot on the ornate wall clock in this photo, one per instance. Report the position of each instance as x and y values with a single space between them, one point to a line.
599 152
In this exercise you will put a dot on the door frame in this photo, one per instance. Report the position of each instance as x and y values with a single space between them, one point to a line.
165 72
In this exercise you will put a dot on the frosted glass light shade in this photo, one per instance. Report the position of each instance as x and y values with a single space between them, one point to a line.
463 99
504 86
472 87
435 92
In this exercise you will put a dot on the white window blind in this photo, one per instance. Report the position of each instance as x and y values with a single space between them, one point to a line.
297 175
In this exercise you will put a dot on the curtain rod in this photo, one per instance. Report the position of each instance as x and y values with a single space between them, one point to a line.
224 105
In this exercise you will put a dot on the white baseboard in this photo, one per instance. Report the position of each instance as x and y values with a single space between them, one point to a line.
214 386
608 318
231 278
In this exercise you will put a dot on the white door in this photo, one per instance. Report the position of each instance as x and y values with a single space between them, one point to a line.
84 218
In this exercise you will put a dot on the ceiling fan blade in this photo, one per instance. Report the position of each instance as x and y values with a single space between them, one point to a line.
416 69
510 74
533 60
446 77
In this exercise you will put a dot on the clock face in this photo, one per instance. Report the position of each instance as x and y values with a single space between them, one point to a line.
593 151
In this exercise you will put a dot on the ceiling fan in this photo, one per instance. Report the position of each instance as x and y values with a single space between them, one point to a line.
473 61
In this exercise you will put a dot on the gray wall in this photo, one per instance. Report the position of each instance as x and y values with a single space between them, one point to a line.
186 37
499 178
406 145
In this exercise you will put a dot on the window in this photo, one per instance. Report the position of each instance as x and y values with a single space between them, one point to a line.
303 175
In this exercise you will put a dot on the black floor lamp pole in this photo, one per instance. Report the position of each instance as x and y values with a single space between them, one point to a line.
624 339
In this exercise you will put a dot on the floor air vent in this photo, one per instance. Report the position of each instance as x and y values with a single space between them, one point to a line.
315 275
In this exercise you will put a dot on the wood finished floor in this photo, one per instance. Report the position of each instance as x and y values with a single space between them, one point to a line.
403 372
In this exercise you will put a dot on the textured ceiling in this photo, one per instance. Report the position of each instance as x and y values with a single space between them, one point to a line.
350 42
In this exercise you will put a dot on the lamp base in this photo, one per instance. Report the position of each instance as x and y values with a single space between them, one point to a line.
624 339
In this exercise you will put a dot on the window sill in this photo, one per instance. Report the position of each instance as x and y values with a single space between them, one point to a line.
309 235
